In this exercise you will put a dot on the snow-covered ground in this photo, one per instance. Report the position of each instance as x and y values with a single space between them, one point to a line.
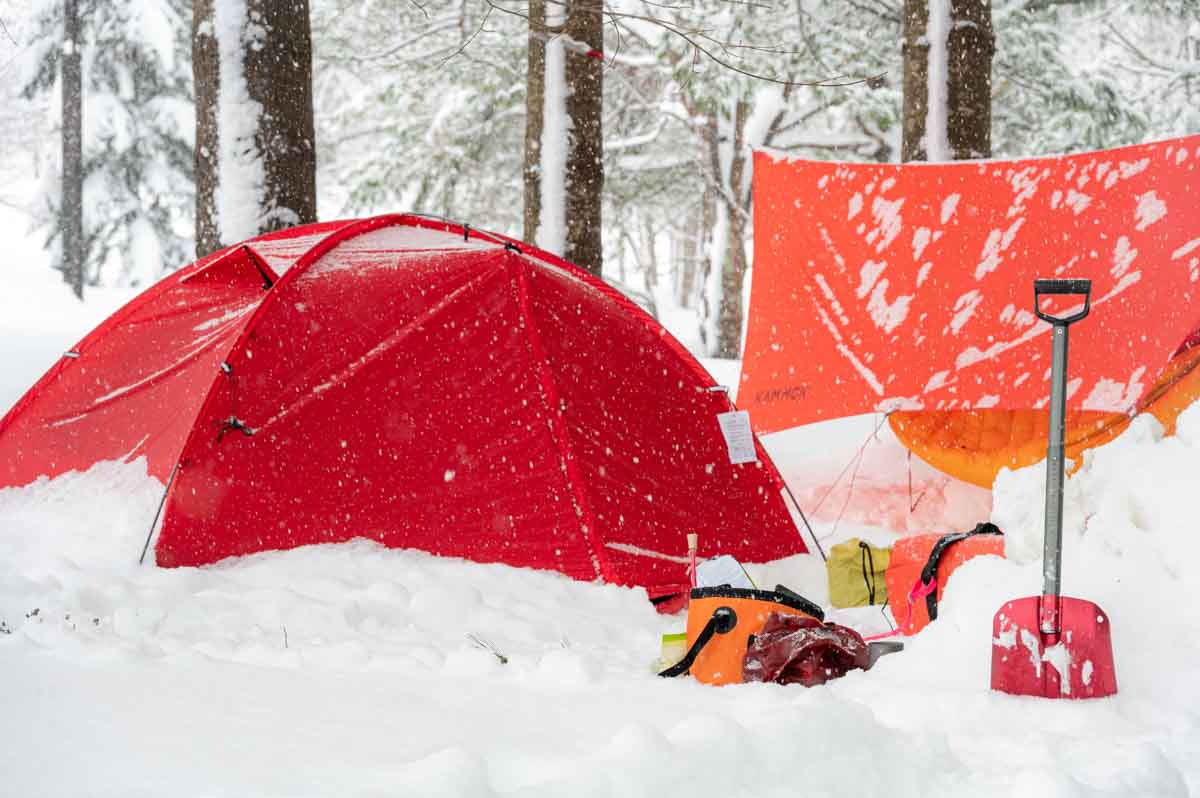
350 670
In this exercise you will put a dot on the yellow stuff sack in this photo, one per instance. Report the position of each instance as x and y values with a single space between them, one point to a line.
856 574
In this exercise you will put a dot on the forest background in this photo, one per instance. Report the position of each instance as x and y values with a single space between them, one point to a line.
478 110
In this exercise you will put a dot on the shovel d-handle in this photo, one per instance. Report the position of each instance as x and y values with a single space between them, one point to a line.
1043 287
1049 615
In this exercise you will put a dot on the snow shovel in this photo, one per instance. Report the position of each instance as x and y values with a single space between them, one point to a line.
1051 645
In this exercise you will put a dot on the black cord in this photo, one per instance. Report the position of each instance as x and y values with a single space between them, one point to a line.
865 557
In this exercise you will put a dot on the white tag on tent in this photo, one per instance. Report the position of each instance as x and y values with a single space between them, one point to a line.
739 439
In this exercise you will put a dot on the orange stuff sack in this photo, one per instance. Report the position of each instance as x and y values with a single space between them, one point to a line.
719 660
913 599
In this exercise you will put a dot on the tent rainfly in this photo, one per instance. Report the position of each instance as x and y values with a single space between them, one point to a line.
414 382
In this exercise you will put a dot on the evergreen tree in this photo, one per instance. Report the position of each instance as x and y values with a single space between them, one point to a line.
743 84
1052 92
136 140
1155 51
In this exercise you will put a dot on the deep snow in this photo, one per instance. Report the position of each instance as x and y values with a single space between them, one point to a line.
349 670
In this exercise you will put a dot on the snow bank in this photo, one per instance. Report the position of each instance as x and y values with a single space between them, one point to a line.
1129 544
352 669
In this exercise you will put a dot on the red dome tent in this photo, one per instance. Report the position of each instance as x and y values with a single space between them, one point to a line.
414 382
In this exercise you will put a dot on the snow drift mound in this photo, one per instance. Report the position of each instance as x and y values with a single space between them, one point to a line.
352 664
1129 544
70 578
1129 514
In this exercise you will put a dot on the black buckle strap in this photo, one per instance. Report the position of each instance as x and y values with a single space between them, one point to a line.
929 572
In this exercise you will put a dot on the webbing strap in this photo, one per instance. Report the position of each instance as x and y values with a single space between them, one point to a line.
928 582
919 591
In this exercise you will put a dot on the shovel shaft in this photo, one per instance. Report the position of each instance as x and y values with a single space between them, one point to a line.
1052 554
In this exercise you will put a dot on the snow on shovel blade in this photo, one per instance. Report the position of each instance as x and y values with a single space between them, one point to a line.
1027 662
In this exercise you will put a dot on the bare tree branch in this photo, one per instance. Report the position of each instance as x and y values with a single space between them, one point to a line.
695 37
1034 6
1140 54
467 41
4 28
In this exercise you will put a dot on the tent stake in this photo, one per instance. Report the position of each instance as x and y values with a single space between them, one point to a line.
157 513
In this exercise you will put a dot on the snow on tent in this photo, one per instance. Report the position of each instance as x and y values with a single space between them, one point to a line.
908 289
414 382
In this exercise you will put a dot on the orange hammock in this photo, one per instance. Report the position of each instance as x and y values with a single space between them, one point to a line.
973 445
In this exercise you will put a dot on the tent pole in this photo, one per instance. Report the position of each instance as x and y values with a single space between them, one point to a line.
803 518
157 513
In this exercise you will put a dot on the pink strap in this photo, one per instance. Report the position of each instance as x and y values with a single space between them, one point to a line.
920 591
892 633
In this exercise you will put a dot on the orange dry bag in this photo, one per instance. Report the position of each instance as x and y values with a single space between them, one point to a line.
721 621
921 565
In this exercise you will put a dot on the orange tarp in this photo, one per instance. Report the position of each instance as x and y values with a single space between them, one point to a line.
882 287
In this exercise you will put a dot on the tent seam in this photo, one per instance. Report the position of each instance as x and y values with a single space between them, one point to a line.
551 398
650 324
350 230
388 343
338 235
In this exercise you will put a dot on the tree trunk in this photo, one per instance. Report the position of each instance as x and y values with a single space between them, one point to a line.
584 31
206 69
733 270
972 43
278 69
915 49
535 102
687 264
711 166
969 46
650 273
72 150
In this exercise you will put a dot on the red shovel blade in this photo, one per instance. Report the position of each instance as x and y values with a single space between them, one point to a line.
1076 663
